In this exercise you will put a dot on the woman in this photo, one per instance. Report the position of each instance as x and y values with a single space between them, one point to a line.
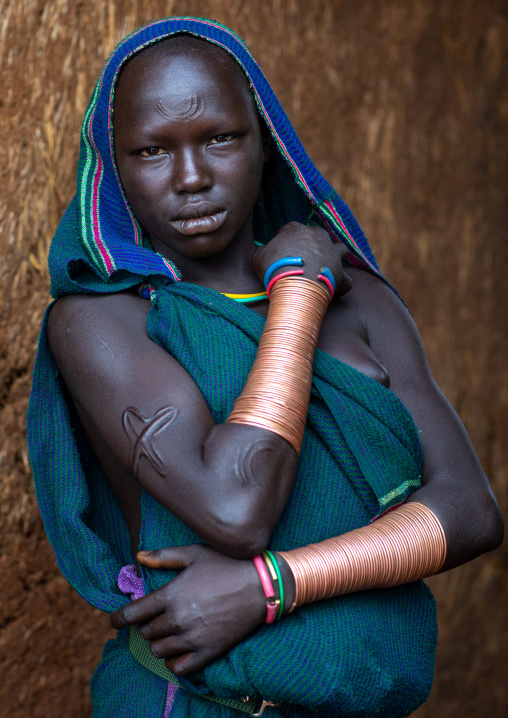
187 162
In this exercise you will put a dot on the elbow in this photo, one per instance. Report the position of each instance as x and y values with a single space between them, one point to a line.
495 534
473 527
489 524
247 547
240 533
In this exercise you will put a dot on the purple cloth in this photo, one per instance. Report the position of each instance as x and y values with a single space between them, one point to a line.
131 585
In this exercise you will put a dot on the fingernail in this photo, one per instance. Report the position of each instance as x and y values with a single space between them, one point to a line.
143 553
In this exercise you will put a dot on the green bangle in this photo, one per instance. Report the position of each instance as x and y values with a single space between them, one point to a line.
273 560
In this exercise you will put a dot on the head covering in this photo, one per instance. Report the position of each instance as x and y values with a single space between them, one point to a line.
99 245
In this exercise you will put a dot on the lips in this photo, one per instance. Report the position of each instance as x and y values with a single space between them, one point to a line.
198 219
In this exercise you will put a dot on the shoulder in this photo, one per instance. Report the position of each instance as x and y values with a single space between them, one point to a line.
74 319
102 349
98 335
103 309
371 293
378 306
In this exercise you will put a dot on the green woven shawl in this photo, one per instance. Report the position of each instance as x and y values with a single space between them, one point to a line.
370 653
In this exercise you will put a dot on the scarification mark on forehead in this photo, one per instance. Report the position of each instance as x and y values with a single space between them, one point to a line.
189 107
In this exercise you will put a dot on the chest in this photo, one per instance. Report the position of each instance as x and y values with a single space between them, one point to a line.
344 337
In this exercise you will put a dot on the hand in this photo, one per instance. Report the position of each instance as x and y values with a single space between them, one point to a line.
211 606
314 245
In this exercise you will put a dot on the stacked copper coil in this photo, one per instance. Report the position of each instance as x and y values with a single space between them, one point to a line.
407 544
276 394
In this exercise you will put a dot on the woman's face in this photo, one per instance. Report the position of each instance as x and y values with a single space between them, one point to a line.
189 151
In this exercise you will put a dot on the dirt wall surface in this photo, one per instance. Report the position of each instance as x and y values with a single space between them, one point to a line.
404 107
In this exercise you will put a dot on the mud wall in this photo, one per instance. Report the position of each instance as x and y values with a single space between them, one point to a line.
403 106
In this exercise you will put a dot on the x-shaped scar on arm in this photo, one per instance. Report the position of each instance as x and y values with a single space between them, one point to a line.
142 432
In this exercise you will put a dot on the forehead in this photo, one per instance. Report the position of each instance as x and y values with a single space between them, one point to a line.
181 66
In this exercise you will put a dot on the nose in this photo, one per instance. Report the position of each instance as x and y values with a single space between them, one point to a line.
191 173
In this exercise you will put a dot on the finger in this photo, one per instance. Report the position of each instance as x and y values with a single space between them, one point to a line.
187 663
139 611
159 627
169 647
171 557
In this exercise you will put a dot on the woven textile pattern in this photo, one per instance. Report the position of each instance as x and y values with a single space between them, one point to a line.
367 654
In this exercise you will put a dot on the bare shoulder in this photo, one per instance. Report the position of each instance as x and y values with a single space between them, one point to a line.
101 344
73 315
371 295
91 329
109 362
378 306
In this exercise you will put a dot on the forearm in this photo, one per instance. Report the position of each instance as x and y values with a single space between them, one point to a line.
454 484
276 395
406 544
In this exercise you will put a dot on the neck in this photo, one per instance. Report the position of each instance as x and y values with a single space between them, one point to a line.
229 271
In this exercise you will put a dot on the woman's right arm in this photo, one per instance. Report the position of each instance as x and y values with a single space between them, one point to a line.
229 482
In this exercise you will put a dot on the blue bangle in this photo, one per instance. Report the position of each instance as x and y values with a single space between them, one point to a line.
284 262
326 273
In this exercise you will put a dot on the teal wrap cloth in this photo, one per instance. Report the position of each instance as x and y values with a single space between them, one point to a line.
367 654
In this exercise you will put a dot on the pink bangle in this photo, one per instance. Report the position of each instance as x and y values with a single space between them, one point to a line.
271 605
290 273
271 612
327 282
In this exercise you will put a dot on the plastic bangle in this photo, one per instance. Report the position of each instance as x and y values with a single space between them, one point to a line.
327 277
290 273
271 612
275 565
270 566
271 605
284 262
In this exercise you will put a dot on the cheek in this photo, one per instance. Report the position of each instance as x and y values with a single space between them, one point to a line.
245 178
141 189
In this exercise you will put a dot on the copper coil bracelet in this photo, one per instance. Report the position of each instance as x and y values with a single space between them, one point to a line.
276 394
404 545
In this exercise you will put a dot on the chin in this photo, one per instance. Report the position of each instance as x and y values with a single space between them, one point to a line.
201 246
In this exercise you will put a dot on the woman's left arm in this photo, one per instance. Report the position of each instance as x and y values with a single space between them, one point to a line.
218 601
454 485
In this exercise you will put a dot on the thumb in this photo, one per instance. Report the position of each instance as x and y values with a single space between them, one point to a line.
175 557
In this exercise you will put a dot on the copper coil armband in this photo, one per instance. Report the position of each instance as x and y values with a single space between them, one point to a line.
406 544
276 394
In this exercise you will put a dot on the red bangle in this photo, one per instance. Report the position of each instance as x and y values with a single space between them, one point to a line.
327 282
264 576
289 273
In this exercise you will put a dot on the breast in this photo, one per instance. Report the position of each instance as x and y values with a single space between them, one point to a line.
344 337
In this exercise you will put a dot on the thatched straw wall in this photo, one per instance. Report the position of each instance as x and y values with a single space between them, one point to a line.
403 105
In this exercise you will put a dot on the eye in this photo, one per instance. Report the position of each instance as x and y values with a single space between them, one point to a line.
220 139
152 152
